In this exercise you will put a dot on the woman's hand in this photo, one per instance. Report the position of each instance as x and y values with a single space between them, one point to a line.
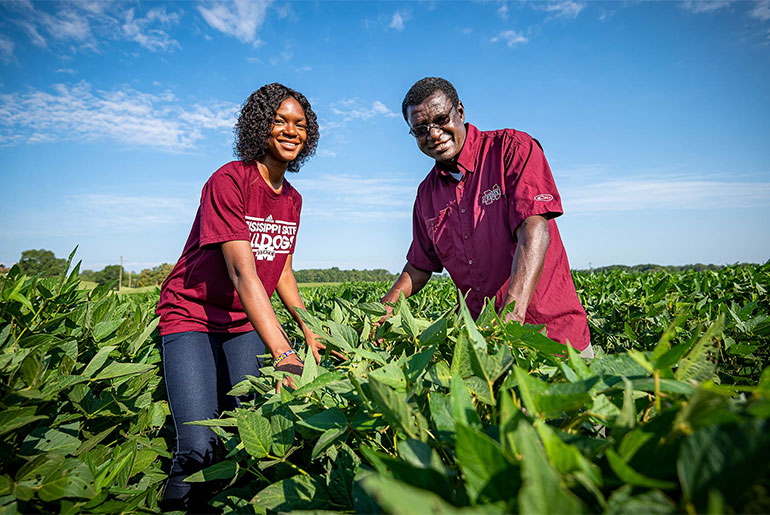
291 364
317 347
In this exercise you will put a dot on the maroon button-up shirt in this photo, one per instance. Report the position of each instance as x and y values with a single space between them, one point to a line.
468 227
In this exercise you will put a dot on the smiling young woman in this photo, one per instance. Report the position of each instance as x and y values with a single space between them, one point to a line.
215 310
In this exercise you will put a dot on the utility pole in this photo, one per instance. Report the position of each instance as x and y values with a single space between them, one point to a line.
120 274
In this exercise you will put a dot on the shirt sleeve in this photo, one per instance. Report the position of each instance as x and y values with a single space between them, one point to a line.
222 211
530 188
421 253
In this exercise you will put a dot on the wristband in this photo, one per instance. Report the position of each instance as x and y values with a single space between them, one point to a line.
277 361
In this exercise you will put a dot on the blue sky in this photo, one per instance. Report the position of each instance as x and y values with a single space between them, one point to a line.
654 116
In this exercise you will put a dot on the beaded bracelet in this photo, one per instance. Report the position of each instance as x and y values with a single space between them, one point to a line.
277 361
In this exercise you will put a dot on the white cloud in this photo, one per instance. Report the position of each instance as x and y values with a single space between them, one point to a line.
326 153
761 10
240 19
674 194
510 37
74 26
6 49
350 109
68 71
399 19
348 195
138 29
502 11
466 31
565 8
704 6
127 116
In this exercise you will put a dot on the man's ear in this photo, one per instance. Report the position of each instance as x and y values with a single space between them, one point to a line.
461 110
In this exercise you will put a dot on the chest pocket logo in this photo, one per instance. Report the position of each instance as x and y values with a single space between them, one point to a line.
491 195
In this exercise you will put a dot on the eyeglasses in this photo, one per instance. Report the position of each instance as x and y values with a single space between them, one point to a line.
419 131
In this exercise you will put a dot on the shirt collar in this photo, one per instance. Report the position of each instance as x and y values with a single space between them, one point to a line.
469 153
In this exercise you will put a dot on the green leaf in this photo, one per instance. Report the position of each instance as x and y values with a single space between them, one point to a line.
728 459
463 410
325 420
283 430
391 375
15 417
222 470
296 493
138 342
541 491
43 439
631 477
326 440
489 477
98 360
402 499
310 370
72 478
115 369
255 433
394 406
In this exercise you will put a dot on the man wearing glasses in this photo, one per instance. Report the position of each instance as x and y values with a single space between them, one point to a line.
486 212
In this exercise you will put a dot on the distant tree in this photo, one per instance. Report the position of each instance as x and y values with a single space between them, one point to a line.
108 273
154 276
335 275
42 262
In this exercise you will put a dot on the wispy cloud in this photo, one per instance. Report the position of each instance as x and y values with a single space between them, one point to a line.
351 195
761 10
74 26
240 19
351 109
127 116
674 194
140 29
6 49
399 19
510 38
564 8
502 11
704 6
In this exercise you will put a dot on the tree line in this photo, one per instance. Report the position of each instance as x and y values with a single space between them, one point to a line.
45 263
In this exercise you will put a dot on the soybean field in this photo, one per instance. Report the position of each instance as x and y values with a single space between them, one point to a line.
432 411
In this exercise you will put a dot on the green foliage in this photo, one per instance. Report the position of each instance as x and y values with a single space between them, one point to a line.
154 276
431 411
82 398
335 275
42 262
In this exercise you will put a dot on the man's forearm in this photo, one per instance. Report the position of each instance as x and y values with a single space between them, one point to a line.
528 259
410 281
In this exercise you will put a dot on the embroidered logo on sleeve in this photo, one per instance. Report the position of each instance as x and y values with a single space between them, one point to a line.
270 237
492 195
544 197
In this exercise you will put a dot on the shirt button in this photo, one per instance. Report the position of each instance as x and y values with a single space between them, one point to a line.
466 236
462 210
470 261
478 289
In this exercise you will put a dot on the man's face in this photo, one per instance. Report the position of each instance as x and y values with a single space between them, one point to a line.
445 133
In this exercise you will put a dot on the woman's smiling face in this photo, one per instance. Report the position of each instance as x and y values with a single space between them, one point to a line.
288 132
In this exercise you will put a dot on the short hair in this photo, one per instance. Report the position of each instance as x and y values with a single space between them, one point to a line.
256 120
424 88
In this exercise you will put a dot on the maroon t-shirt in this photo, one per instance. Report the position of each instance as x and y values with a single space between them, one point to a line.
468 227
236 204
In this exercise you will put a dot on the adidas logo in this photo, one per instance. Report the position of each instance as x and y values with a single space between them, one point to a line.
269 218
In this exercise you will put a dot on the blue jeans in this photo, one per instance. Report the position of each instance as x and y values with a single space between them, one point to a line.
199 369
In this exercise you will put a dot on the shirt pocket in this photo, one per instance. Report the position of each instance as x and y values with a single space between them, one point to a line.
440 232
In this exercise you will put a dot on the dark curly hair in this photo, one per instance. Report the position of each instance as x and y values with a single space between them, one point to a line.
424 88
256 120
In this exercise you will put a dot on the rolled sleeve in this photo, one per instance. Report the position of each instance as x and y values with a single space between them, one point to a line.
222 211
422 253
530 187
